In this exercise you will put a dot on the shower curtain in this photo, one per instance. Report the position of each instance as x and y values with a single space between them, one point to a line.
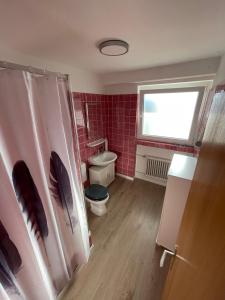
43 227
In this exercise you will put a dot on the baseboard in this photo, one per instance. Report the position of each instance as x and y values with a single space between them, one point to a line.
150 179
125 176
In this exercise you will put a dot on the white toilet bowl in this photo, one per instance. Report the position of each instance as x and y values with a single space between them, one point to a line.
97 195
98 207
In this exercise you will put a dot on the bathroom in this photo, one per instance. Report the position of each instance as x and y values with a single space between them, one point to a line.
112 147
109 124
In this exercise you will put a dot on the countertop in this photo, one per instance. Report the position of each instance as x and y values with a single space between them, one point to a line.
182 166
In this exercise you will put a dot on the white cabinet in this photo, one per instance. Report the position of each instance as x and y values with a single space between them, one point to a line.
102 175
178 185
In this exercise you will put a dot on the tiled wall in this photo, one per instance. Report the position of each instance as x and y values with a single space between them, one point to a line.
179 148
97 118
114 117
117 114
121 131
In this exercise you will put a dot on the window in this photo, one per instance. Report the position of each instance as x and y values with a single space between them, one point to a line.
170 115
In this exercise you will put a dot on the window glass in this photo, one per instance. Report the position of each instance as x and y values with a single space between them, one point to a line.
169 115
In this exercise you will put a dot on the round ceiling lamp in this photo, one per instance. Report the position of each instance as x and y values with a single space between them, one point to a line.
113 47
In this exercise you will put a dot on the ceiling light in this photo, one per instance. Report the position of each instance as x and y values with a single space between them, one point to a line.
113 47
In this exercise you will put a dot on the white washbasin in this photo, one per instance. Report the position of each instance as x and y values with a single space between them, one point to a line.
103 159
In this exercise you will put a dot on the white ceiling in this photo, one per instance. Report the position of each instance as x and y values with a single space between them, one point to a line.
159 31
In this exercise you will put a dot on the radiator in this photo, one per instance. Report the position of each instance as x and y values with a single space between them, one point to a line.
157 167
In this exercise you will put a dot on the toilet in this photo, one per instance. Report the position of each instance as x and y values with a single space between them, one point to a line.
95 194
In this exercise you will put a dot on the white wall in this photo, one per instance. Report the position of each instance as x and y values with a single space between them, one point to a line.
220 76
127 82
121 88
81 80
124 82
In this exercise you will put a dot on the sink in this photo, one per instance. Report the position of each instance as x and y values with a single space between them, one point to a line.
103 159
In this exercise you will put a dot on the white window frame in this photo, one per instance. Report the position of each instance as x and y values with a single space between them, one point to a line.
193 132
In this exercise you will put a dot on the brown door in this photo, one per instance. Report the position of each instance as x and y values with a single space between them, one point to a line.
197 272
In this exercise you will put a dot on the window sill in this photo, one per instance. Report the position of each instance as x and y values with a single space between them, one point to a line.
170 146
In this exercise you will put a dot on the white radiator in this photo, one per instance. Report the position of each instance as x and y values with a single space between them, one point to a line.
157 167
152 168
152 164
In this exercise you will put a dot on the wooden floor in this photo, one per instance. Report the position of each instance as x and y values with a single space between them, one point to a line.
124 263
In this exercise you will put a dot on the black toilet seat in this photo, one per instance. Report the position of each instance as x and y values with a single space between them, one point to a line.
96 192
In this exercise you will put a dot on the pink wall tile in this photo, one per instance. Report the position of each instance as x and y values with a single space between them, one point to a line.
118 115
175 147
80 99
121 130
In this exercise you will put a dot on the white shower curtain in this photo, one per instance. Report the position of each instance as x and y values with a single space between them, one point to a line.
43 226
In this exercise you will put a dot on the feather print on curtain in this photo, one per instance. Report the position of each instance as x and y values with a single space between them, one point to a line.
10 261
28 197
35 137
61 189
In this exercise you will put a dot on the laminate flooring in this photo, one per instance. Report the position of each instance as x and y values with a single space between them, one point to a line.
124 263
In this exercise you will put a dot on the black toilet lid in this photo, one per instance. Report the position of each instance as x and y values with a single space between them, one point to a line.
96 192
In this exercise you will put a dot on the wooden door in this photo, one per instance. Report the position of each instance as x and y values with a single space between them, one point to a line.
197 272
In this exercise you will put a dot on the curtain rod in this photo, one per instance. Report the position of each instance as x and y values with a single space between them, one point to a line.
13 66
